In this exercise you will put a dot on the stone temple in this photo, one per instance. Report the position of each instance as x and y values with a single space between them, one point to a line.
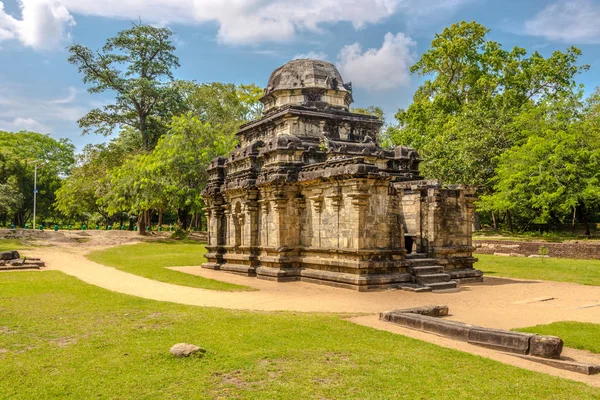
310 195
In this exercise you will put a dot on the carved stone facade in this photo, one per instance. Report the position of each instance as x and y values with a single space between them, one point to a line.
309 195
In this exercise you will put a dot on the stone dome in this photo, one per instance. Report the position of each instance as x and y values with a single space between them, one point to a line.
309 83
305 73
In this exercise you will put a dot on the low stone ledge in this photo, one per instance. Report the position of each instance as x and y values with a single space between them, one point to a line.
213 266
383 279
245 270
426 319
431 311
277 272
567 365
510 342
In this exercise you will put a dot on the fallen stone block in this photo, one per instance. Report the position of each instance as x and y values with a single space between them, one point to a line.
452 329
545 346
9 255
511 342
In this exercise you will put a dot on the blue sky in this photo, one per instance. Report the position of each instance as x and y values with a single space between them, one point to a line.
373 43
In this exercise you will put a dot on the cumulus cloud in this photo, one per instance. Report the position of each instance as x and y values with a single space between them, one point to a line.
23 124
44 23
571 21
317 55
387 67
16 109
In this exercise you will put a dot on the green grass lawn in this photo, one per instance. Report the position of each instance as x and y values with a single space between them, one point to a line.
585 272
150 259
62 338
13 244
578 335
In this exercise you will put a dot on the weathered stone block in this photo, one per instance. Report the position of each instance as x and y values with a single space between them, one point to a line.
545 346
511 342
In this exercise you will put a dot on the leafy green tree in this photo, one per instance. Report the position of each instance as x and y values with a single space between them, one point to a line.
180 160
371 110
137 65
18 154
80 196
555 174
463 117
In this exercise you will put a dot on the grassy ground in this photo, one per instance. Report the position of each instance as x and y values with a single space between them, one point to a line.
586 272
150 259
62 338
578 335
12 244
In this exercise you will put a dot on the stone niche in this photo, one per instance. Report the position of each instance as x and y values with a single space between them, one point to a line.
309 195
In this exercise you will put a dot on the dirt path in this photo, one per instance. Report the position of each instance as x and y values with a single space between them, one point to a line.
499 303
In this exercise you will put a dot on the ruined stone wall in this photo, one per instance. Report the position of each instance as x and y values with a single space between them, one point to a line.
587 250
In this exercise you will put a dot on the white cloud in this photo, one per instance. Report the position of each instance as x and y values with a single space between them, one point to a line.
45 23
379 69
19 111
571 21
23 124
71 94
317 55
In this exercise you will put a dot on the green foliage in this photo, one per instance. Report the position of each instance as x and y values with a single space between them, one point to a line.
112 345
577 335
585 272
137 65
151 259
371 110
556 171
172 176
463 117
82 195
19 153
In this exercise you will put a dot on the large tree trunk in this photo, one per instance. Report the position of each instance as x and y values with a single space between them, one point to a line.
182 218
509 221
584 219
494 223
141 223
160 219
476 222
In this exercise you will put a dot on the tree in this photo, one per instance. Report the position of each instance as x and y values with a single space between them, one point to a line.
463 118
180 160
18 154
371 110
137 65
555 174
81 193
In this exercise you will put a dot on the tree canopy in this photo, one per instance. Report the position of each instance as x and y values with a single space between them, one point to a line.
137 65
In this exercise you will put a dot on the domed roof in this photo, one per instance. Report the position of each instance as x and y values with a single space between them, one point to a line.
305 73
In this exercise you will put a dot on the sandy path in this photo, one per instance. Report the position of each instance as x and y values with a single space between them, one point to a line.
500 303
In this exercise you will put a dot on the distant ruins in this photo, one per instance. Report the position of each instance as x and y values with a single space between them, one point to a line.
309 195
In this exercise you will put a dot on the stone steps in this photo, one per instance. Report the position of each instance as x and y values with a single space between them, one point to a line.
431 278
426 270
442 285
421 262
427 275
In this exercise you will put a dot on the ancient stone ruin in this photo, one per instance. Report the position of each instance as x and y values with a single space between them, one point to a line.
310 195
12 260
